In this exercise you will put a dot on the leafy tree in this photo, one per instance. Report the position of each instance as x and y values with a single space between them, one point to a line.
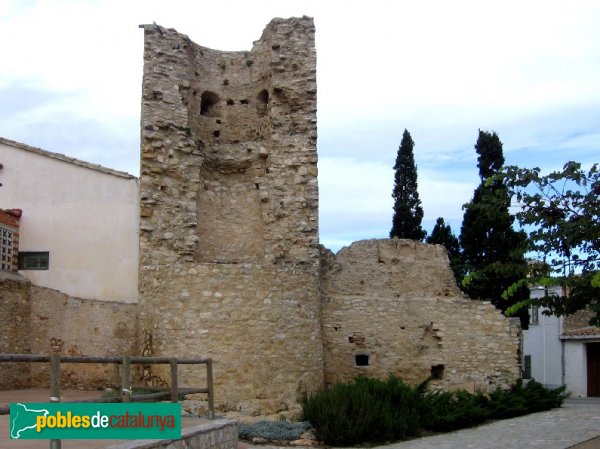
442 235
408 212
563 211
492 251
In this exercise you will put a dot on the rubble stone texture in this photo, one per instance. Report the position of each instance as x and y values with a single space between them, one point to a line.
15 310
229 257
397 303
230 265
39 320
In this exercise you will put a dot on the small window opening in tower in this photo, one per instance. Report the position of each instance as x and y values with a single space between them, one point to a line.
361 360
437 371
208 100
262 102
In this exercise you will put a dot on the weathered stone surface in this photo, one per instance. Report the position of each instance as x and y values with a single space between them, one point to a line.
230 265
396 302
38 320
229 258
63 324
229 261
15 310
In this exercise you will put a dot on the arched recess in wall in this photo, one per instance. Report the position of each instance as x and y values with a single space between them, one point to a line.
209 104
230 217
262 102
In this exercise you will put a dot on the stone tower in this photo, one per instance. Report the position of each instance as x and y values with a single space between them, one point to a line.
229 258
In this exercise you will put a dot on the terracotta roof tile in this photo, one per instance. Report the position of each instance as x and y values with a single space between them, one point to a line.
587 331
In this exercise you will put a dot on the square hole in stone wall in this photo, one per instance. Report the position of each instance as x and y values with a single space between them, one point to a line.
437 371
361 360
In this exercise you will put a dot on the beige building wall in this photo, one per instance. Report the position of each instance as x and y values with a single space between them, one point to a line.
85 215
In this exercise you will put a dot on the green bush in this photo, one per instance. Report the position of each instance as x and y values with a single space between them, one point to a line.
370 410
444 411
521 400
274 430
364 410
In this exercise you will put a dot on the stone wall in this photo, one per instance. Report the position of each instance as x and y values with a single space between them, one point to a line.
393 307
580 319
62 324
15 311
218 434
38 320
229 258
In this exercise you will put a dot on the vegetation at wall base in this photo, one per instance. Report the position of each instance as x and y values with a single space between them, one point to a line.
273 430
372 410
445 411
364 410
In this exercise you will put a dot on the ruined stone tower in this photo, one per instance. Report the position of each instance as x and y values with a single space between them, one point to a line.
229 259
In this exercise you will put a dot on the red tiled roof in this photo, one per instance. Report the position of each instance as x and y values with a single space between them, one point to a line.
583 331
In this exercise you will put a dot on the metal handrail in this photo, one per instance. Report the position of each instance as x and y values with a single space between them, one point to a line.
125 361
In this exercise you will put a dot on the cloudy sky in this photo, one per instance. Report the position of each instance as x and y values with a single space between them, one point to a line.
70 82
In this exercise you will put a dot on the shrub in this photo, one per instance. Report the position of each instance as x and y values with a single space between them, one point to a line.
364 410
370 410
444 411
274 430
520 400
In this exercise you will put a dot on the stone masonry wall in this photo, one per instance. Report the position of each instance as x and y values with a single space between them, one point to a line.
229 258
396 302
39 320
62 324
15 310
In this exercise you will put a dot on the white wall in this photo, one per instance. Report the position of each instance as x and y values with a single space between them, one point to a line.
542 342
87 219
576 368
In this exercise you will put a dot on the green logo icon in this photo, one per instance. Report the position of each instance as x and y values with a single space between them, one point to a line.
95 421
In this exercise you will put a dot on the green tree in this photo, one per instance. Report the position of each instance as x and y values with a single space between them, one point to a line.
442 235
562 209
492 251
408 212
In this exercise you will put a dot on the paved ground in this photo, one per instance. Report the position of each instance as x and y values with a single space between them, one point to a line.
576 425
576 422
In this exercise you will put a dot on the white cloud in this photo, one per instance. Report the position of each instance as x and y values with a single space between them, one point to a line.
528 70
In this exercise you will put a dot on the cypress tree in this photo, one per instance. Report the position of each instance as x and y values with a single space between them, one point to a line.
492 251
408 212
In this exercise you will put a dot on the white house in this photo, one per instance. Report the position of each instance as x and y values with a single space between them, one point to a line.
79 224
562 351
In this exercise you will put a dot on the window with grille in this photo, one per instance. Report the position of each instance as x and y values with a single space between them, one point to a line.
6 250
34 260
535 315
527 367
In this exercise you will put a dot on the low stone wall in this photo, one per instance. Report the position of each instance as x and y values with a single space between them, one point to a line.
392 307
62 324
39 320
15 309
219 434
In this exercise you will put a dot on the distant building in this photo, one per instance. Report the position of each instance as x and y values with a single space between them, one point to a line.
562 351
79 223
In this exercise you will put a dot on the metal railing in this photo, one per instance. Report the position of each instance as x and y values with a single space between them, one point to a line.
125 388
